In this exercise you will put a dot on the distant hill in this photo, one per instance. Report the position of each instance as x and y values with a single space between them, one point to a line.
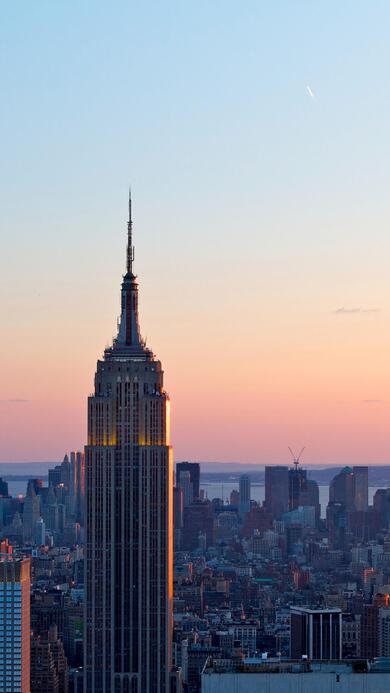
23 470
378 475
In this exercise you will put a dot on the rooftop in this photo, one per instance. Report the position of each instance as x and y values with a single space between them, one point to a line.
274 665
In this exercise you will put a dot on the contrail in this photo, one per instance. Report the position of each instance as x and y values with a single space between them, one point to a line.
310 92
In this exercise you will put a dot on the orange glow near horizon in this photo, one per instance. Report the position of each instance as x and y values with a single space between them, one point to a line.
233 402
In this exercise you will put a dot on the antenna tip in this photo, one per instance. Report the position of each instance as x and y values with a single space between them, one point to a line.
130 220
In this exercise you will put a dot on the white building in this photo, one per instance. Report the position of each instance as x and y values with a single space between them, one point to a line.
246 634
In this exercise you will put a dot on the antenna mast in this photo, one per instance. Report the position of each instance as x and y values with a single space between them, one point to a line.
130 247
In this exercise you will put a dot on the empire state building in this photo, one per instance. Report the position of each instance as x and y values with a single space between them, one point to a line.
128 548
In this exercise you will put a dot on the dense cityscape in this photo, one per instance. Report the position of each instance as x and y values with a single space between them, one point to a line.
257 588
119 573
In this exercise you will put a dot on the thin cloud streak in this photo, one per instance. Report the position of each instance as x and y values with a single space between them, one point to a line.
311 93
351 311
14 401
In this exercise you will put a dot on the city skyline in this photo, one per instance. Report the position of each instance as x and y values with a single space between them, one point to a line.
255 142
194 401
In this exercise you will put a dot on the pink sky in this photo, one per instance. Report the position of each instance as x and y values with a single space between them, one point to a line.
247 375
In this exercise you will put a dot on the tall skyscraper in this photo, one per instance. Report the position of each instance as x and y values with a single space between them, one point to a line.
276 490
245 494
178 507
194 469
129 528
342 489
382 505
310 496
77 485
31 512
350 488
60 474
287 489
297 481
360 475
3 489
15 625
384 631
186 486
39 532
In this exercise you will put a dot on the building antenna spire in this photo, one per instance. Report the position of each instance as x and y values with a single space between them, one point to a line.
130 247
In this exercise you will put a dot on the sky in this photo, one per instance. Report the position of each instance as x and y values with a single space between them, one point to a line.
255 137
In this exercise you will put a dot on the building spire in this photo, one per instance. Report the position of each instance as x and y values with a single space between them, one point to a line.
129 341
130 247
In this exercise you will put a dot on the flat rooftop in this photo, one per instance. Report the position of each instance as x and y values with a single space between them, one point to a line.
274 665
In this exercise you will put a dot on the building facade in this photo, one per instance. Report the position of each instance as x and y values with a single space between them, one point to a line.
342 489
245 494
194 470
360 474
297 482
185 485
77 485
276 490
384 631
15 625
316 633
129 527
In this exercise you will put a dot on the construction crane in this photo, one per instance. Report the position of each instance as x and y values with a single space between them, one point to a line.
296 458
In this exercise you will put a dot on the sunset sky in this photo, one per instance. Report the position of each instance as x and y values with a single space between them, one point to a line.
255 137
